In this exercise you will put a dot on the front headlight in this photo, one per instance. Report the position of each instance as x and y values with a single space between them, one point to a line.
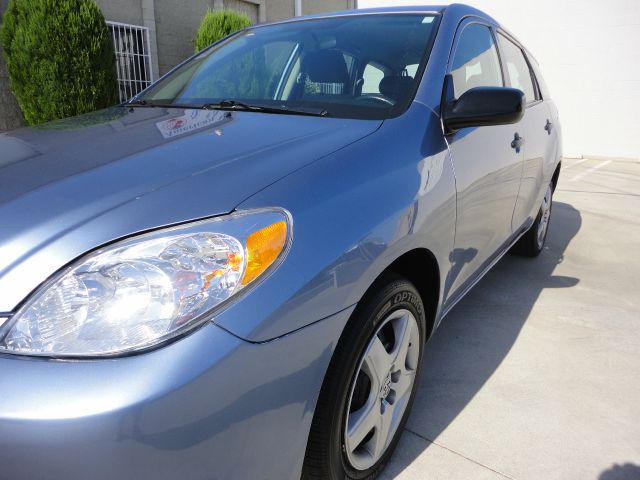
142 291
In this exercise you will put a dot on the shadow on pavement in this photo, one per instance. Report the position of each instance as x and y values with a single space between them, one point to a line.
628 471
479 332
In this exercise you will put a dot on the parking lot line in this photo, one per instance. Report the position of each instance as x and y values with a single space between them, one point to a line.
591 170
567 165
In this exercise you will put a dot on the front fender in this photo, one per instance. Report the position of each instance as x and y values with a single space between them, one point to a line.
354 213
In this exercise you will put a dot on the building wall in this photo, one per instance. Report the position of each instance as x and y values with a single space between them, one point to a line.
309 7
176 23
283 9
248 8
124 11
588 53
280 10
10 116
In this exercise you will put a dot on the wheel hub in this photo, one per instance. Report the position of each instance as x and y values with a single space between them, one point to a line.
385 390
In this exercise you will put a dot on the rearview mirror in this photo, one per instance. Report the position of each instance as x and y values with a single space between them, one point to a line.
482 106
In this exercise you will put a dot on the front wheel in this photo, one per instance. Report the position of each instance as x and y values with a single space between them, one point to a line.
532 242
369 386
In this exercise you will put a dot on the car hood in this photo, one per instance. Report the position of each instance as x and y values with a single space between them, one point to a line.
72 185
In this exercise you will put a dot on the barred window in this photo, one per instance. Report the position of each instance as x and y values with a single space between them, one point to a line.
133 58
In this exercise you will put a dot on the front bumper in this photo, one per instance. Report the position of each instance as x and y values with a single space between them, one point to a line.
209 406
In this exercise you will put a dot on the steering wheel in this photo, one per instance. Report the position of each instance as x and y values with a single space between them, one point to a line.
377 97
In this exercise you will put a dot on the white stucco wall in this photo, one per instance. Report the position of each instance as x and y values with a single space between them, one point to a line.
589 53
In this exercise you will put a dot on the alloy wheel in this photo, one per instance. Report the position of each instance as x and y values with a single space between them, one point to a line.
381 389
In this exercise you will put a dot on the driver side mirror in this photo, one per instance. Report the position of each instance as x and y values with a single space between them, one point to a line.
483 106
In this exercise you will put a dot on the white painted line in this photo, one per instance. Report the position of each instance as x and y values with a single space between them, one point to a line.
573 164
591 170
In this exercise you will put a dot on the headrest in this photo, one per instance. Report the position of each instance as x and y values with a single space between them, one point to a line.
326 66
395 86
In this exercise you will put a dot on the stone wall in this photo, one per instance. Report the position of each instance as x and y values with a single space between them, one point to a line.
10 116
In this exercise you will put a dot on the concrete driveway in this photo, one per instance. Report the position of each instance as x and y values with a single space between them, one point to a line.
536 373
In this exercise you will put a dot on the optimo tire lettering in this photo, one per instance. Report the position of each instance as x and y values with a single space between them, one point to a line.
408 297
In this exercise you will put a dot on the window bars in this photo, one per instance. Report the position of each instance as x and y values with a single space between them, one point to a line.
133 58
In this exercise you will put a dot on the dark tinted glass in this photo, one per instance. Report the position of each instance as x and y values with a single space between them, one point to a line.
310 64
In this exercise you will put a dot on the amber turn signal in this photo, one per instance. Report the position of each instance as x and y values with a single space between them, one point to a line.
263 247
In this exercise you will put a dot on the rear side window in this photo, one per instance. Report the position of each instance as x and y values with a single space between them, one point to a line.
518 72
543 89
475 61
412 70
372 77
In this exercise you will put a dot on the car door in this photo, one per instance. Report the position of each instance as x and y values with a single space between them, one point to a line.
537 128
487 162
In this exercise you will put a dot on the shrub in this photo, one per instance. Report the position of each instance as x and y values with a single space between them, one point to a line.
217 24
59 57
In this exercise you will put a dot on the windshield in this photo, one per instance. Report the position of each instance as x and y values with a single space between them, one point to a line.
359 66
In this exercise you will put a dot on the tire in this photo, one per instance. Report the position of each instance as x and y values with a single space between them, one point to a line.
366 386
532 242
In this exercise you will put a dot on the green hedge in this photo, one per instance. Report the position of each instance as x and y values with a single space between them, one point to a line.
217 24
59 56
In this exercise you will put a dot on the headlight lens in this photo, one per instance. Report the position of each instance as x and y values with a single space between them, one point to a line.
147 289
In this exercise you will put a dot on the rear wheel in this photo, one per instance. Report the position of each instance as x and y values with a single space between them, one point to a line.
369 387
532 242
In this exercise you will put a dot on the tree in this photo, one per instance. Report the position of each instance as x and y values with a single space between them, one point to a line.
217 24
59 57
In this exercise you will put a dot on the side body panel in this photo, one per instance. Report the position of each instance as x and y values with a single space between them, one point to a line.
354 213
488 170
540 139
537 160
430 94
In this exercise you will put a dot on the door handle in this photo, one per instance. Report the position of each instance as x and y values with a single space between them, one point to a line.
517 142
548 126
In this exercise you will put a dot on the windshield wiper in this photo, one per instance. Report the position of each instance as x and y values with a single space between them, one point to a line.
245 107
230 105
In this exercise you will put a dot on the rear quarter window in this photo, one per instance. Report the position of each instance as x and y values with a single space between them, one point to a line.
371 77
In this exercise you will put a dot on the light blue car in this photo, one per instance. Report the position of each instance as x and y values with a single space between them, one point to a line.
235 274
